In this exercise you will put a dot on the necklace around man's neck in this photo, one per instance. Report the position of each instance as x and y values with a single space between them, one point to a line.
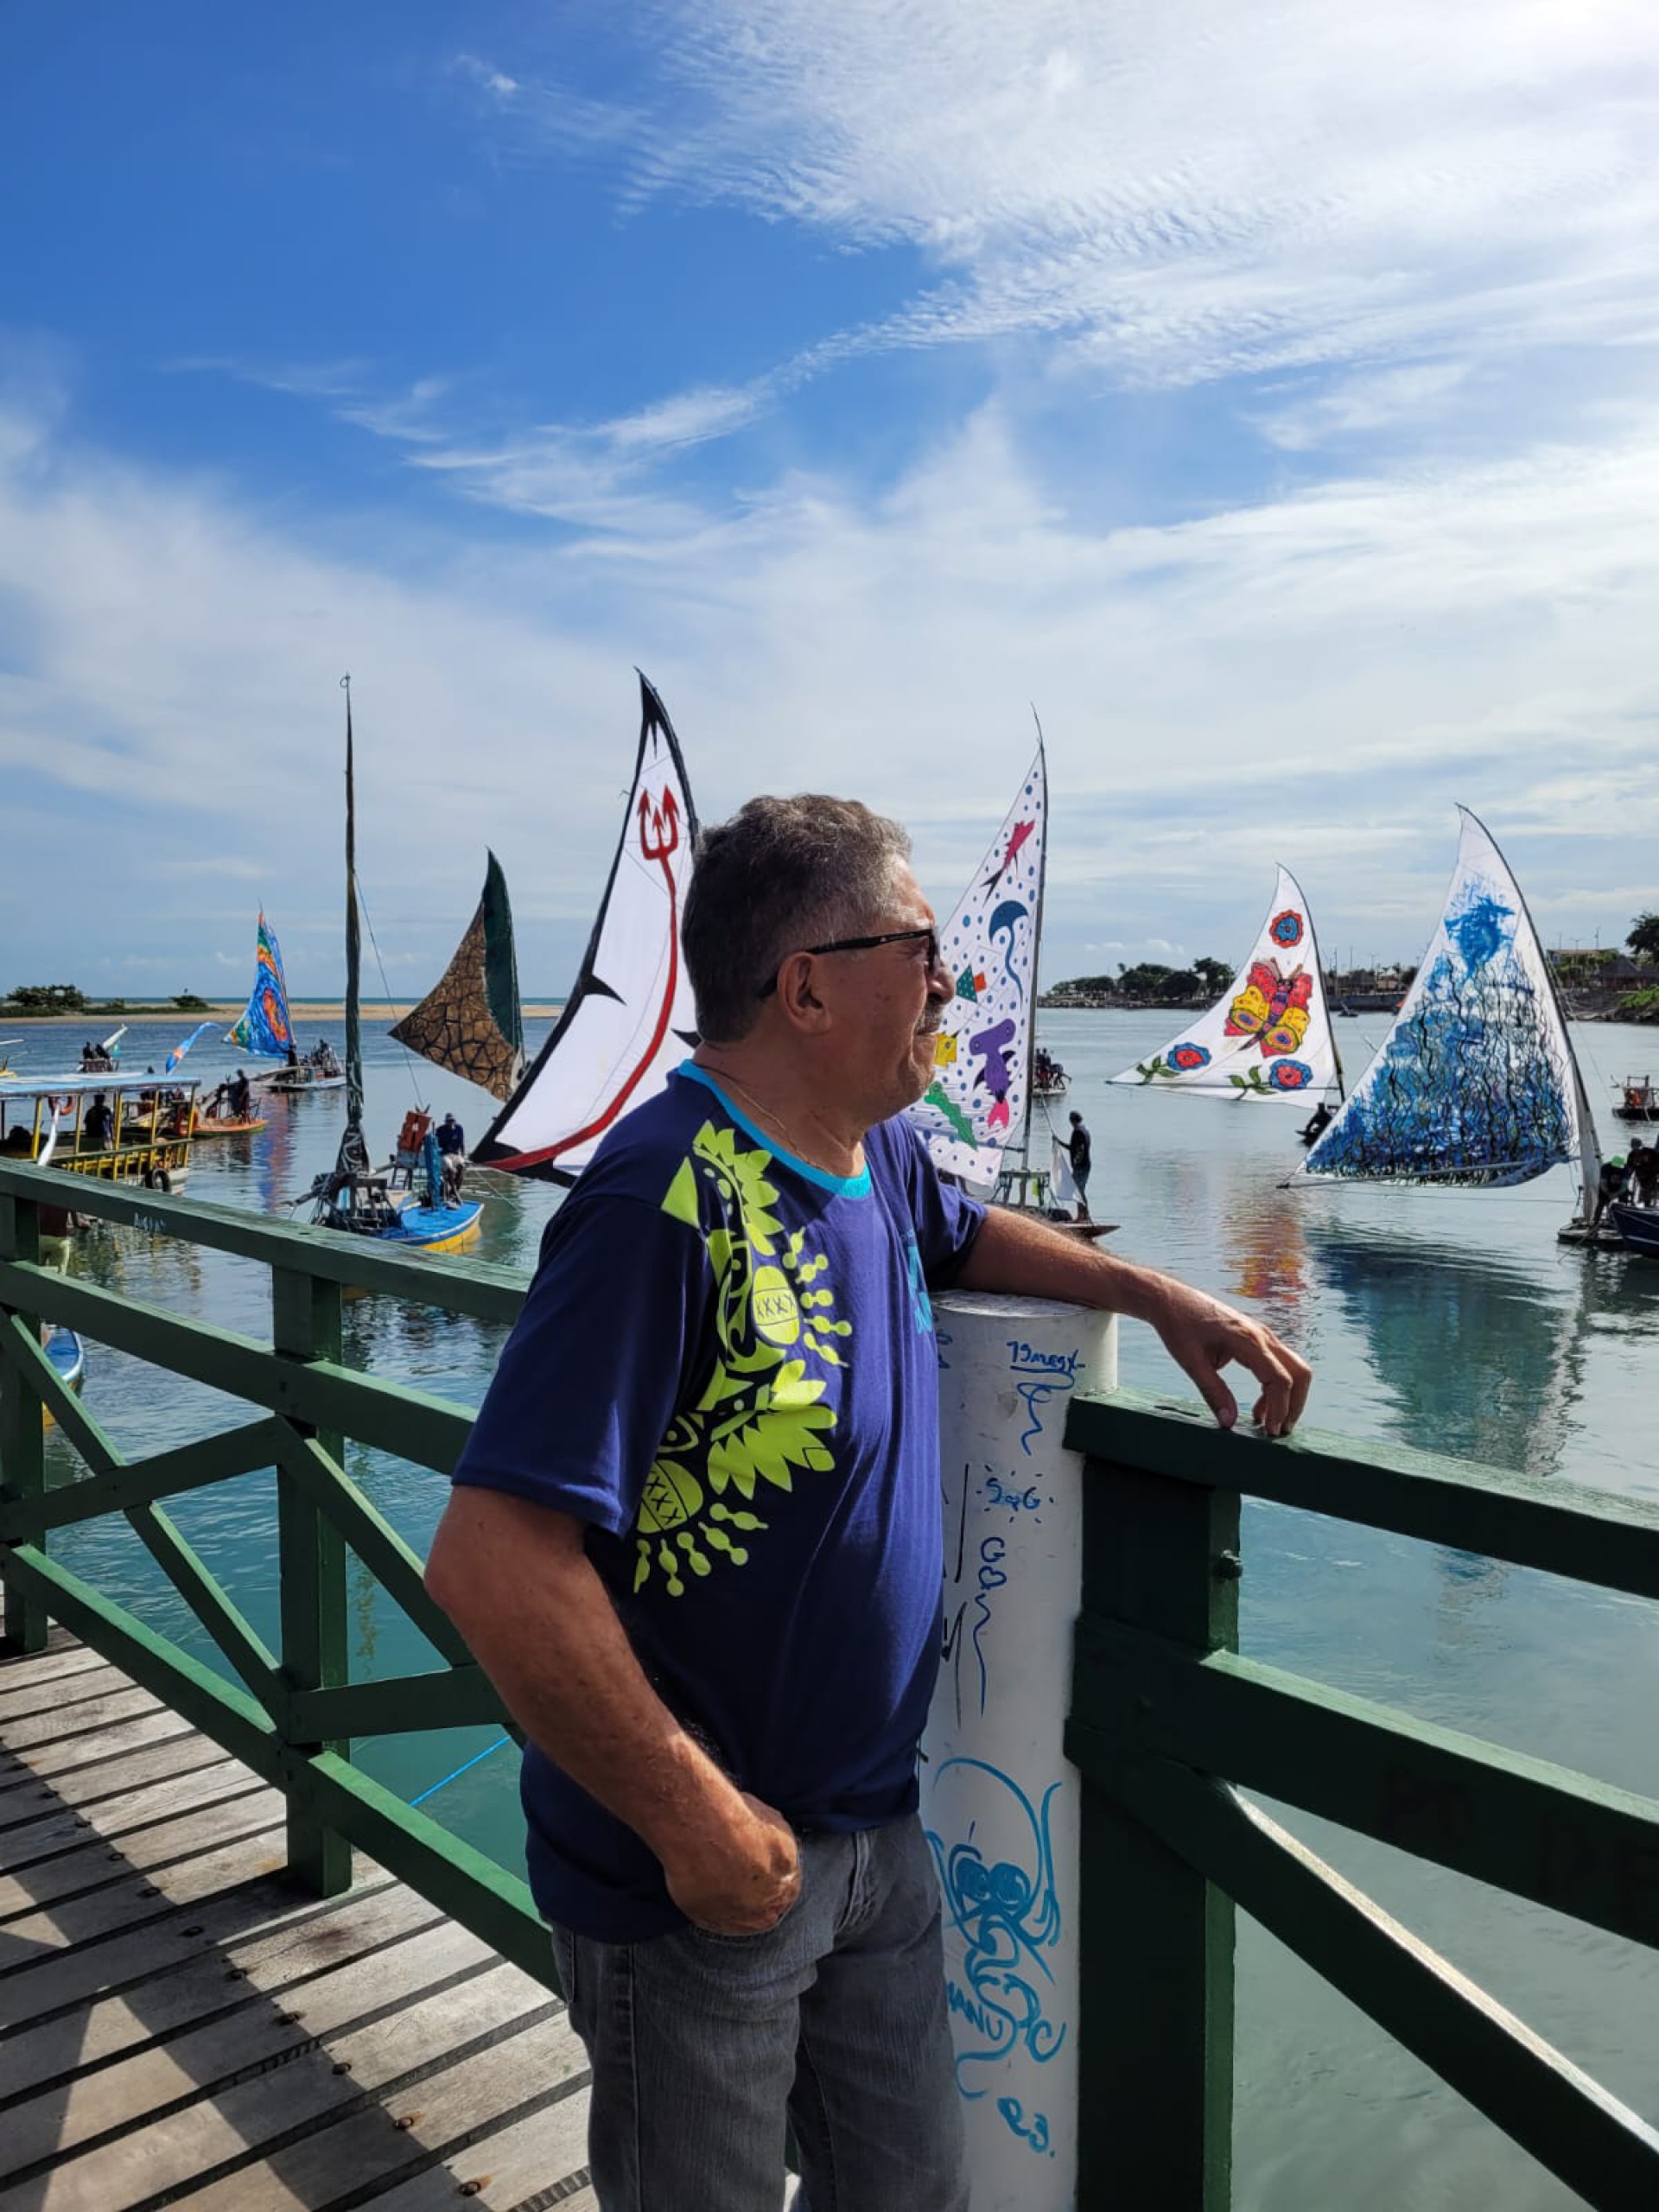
769 1114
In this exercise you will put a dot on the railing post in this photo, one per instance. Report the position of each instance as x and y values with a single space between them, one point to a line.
305 1324
22 1435
1156 1938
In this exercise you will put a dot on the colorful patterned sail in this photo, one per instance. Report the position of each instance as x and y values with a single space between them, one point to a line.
1476 1082
1268 1036
974 1108
629 1018
470 1022
265 1028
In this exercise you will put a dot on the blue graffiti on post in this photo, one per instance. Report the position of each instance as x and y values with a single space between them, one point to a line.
1008 1915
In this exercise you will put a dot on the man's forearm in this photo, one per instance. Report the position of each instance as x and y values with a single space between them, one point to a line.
542 1625
1024 1258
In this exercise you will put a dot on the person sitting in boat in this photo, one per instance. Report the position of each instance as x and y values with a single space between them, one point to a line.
99 1126
452 1138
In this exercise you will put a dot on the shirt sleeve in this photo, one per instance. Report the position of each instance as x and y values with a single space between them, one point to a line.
606 1348
947 1221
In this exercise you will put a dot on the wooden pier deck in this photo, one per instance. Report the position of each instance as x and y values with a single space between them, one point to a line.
178 2025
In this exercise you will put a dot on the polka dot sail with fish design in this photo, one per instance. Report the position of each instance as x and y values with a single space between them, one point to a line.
976 1105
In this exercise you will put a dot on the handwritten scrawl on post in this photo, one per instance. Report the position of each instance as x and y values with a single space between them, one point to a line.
1039 1377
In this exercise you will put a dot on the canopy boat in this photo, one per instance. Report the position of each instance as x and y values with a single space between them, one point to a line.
629 1018
357 1197
265 1030
974 1117
1476 1083
1635 1099
470 1022
96 1125
1269 1035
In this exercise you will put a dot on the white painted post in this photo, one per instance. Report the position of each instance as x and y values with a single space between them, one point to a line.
999 1802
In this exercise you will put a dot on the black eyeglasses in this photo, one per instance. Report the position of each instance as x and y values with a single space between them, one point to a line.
868 945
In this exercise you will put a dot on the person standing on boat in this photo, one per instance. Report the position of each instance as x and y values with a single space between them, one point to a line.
98 1126
694 1540
240 1097
1083 1160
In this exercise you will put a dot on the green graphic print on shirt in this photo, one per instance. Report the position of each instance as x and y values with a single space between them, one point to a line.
760 1418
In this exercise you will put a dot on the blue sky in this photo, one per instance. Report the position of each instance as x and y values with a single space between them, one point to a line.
1267 394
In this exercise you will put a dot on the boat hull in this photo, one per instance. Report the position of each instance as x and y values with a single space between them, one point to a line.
1638 1226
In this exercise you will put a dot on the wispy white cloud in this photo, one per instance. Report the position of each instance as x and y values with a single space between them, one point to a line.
1184 190
1316 678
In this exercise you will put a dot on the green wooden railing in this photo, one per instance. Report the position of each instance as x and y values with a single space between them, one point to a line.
1168 1723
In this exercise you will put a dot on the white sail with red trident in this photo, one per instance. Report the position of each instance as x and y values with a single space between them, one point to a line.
630 1019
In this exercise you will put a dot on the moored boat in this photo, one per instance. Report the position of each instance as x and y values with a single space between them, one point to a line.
89 1124
1638 1226
1635 1099
68 1357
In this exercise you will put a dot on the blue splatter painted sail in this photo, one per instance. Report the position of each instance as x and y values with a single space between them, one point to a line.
1476 1082
265 1028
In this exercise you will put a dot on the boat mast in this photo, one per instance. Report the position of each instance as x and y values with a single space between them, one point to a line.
1036 951
353 939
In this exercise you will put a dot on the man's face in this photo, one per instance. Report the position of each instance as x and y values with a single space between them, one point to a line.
887 1003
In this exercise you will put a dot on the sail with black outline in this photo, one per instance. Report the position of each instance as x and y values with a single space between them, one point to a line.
1477 1083
470 1022
629 1018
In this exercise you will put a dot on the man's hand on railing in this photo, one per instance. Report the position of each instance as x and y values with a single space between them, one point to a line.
1202 1335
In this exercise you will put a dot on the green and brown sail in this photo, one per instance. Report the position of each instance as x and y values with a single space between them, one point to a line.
470 1022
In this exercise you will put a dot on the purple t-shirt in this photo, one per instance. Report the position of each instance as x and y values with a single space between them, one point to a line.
725 1367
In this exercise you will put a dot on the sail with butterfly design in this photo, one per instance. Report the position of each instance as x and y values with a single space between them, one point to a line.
630 1019
1268 1036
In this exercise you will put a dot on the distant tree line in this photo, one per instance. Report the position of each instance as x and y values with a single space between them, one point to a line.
69 998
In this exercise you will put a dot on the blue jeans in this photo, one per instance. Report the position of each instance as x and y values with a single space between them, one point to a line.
703 2046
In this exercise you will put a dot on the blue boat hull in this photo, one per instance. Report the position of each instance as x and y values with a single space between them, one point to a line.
1638 1226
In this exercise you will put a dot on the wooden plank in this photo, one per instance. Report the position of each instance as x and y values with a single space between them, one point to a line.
73 2113
1558 1528
75 1977
46 1762
30 1842
65 1656
185 1751
1525 1825
178 1993
95 1679
441 2110
246 2122
96 1863
87 1716
508 2168
1601 2149
29 1941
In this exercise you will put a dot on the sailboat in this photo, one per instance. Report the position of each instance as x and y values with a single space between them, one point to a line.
629 1018
974 1117
1477 1083
357 1197
470 1022
265 1031
977 1107
1269 1035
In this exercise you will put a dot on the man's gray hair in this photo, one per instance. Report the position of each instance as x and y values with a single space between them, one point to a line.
782 874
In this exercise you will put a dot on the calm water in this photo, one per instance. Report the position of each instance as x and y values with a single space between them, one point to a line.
1450 1320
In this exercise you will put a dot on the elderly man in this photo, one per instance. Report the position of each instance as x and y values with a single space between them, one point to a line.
696 1541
